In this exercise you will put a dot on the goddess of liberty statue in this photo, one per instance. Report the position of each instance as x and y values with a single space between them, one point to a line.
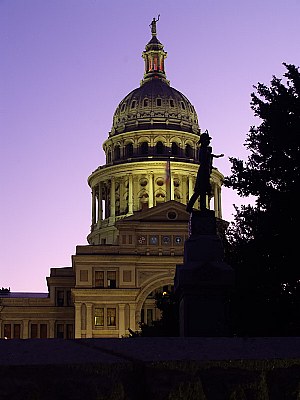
153 25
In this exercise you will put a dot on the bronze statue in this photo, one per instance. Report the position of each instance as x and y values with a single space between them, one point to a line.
202 186
153 25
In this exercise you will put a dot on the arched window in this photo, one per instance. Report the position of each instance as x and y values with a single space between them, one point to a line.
188 151
144 148
146 102
160 148
129 150
117 152
174 149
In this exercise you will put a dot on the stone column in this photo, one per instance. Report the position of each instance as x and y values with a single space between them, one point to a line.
130 194
122 192
89 326
183 189
100 217
112 197
121 320
132 321
77 320
150 204
191 185
51 328
93 206
25 329
216 202
172 186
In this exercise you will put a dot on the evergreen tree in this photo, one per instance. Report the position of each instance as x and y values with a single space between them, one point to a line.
263 239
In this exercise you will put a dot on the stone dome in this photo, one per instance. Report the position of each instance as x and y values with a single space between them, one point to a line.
155 104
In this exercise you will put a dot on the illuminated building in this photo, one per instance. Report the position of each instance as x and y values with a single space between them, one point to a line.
139 222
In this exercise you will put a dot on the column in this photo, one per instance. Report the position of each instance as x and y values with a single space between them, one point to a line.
25 329
112 197
130 195
171 186
151 197
183 188
51 328
219 202
121 320
216 205
93 206
191 186
89 327
77 320
100 217
132 322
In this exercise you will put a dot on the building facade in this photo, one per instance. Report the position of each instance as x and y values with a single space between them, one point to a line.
139 221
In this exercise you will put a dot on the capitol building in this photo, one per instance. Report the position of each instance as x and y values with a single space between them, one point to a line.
139 220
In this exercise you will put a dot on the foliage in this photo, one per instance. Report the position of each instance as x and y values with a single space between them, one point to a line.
263 243
168 324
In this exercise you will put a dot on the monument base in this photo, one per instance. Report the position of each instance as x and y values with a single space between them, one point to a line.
204 282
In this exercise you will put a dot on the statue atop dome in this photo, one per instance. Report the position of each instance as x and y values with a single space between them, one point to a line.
153 25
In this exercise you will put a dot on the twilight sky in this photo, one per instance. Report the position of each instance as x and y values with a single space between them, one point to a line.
65 66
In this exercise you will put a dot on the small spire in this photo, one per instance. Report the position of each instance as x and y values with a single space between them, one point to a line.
153 25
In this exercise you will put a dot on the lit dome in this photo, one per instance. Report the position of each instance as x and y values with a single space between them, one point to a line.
155 104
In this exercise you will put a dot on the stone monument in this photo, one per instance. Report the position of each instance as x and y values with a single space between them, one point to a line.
204 282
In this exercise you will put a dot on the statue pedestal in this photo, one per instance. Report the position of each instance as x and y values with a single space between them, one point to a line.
203 283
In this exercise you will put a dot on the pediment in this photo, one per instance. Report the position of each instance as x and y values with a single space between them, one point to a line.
171 211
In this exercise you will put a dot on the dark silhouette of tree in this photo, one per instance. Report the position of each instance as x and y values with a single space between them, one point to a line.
263 239
168 324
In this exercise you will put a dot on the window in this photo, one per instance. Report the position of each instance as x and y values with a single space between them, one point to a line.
117 152
70 330
174 149
111 279
34 331
149 316
7 331
60 331
84 277
60 298
158 102
99 316
182 105
99 279
146 102
69 298
111 317
17 331
133 104
171 103
123 107
144 148
129 150
159 148
43 331
126 276
188 151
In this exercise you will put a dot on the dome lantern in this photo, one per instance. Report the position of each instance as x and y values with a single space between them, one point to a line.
154 57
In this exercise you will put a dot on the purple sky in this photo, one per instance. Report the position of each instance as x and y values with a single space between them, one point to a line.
65 66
